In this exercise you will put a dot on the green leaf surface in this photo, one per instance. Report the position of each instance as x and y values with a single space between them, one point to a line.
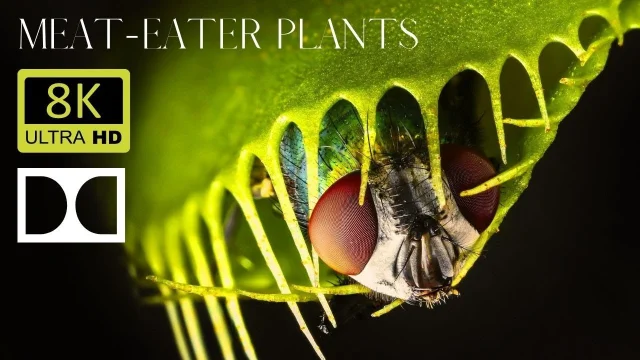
207 112
203 106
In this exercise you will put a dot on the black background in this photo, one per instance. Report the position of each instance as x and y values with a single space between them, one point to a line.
558 281
107 100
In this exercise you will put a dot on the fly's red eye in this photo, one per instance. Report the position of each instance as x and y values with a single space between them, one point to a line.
344 233
465 169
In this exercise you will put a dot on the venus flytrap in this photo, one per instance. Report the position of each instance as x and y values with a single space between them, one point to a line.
208 115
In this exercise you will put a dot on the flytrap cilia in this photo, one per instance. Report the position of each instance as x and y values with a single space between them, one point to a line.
390 167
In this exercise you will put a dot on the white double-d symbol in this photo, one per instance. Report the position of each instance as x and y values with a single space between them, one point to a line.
70 230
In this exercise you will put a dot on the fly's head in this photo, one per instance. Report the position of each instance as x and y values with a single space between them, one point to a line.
421 242
402 242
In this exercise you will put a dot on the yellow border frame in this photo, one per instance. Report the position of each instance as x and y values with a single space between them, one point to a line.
85 129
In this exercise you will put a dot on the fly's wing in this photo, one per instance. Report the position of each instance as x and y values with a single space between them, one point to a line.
293 163
341 144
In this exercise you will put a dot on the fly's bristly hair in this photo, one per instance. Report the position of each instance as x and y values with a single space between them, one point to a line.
400 145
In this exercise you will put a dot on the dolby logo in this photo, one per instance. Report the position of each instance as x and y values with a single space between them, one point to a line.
58 205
